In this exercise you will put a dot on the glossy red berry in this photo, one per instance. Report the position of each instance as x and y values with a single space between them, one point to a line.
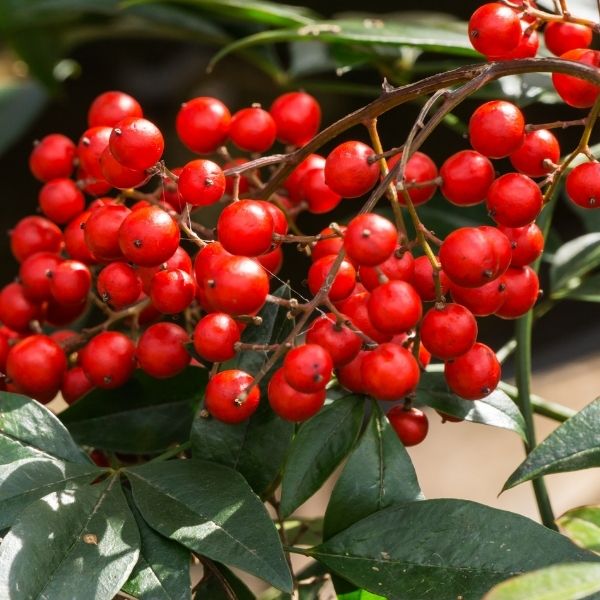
331 244
16 309
207 259
482 301
423 279
562 37
448 331
390 372
246 228
410 424
514 200
356 308
102 232
201 182
289 403
35 273
307 368
297 116
343 283
293 184
271 262
161 350
500 246
172 291
91 145
280 222
215 337
52 157
252 129
494 29
399 266
496 128
317 194
61 200
527 244
71 282
350 375
34 234
522 292
109 108
75 385
537 155
527 47
407 341
395 307
36 365
227 397
370 239
419 169
119 176
574 91
466 178
203 124
475 374
337 339
348 171
118 284
136 143
583 185
108 359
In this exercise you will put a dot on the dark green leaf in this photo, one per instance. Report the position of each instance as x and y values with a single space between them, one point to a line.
573 446
442 549
211 510
587 291
318 448
573 260
28 479
582 526
559 582
144 415
28 429
211 587
76 544
497 409
377 474
162 571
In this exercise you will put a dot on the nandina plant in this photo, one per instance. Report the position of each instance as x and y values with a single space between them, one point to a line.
208 399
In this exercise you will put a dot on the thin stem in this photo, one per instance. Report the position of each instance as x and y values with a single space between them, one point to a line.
171 452
346 322
541 406
556 125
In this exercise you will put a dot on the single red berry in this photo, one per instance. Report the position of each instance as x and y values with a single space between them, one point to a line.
574 91
356 308
108 359
583 185
410 424
343 282
527 47
522 292
203 124
93 186
390 372
252 129
307 368
207 260
109 108
482 301
246 228
280 222
35 273
61 200
118 284
16 309
36 365
395 307
500 245
161 350
119 176
297 116
172 291
348 171
337 339
419 169
466 178
562 37
537 155
293 184
34 234
70 282
494 29
102 232
74 235
271 262
527 244
148 236
75 385
350 375
91 145
514 200
289 403
475 374
136 143
332 244
52 157
448 331
317 194
227 397
423 279
399 266
201 182
215 337
180 260
370 239
497 128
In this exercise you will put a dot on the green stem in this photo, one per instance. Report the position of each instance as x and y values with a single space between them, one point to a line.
540 405
171 452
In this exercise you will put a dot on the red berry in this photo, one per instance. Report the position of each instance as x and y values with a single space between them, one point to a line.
161 350
59 315
562 37
253 129
475 374
494 29
109 108
102 232
201 182
227 398
293 184
574 91
419 169
34 234
203 124
527 47
348 171
271 262
370 239
332 244
395 307
91 145
527 244
71 282
341 343
35 273
4 350
449 331
407 341
356 307
119 285
483 300
500 245
75 239
172 291
246 228
423 280
280 222
92 185
136 143
537 155
180 260
215 337
16 309
583 185
514 200
410 424
522 291
36 365
206 261
307 368
75 385
466 178
289 403
389 372
297 116
496 128
52 157
61 200
317 194
399 266
343 282
119 176
108 359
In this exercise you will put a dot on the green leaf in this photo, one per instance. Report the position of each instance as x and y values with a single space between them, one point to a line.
497 409
28 429
582 526
377 474
559 582
573 260
442 549
318 448
573 446
28 479
587 291
145 415
77 544
360 595
212 588
211 510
